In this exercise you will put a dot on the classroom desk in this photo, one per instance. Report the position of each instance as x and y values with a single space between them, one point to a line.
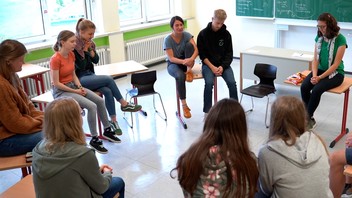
287 62
36 73
345 89
120 68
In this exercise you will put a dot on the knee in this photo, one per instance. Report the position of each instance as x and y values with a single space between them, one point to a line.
181 77
337 159
91 107
119 183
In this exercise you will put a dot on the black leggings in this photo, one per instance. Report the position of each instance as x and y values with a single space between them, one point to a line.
311 94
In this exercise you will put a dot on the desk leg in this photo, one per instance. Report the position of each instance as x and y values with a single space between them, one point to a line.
39 79
178 114
25 171
24 81
344 130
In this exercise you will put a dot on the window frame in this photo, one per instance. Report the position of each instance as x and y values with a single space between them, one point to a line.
46 23
144 15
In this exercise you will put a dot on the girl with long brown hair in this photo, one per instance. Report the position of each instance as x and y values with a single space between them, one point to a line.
20 122
220 163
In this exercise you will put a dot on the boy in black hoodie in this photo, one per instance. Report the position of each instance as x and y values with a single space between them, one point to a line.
215 50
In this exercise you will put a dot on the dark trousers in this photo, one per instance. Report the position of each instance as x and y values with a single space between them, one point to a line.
178 71
311 94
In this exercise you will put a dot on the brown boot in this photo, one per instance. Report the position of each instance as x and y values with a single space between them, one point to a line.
186 111
189 76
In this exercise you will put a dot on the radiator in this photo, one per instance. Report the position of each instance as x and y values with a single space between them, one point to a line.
146 51
104 55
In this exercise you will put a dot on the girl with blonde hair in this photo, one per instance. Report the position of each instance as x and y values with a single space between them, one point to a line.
66 83
86 56
292 154
63 166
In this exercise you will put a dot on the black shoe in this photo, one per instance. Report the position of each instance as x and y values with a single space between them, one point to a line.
110 135
97 144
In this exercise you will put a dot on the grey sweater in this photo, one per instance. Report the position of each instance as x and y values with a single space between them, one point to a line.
68 171
301 170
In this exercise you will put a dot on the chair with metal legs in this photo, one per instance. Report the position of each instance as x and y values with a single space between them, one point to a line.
143 85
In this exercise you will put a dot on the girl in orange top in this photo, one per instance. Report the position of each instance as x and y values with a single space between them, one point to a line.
66 83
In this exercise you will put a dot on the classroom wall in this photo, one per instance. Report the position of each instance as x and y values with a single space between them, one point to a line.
247 32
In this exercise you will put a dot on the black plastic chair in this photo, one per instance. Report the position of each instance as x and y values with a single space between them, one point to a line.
266 74
143 85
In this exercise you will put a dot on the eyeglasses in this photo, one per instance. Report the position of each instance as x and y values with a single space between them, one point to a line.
321 26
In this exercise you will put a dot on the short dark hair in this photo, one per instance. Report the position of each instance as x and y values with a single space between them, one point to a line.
176 18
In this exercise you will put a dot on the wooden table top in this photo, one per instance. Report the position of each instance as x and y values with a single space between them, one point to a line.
29 70
14 162
120 68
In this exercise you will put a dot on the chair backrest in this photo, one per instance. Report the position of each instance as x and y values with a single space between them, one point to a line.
266 73
144 82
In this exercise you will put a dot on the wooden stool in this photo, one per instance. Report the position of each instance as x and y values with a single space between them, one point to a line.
23 188
47 97
197 74
345 89
18 161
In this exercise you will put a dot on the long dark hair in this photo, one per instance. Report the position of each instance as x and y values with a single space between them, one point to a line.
332 29
226 127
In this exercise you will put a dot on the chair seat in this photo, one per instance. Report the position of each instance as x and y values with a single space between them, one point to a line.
135 93
258 91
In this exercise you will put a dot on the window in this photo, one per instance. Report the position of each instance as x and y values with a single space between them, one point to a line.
34 20
133 12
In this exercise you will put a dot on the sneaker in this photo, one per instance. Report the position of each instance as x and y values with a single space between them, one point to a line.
97 144
115 128
110 135
131 107
311 124
347 191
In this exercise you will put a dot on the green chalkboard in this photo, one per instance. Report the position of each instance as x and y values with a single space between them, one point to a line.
255 8
311 9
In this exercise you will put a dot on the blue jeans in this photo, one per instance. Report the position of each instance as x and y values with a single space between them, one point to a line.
117 185
209 76
178 71
105 85
19 144
311 94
